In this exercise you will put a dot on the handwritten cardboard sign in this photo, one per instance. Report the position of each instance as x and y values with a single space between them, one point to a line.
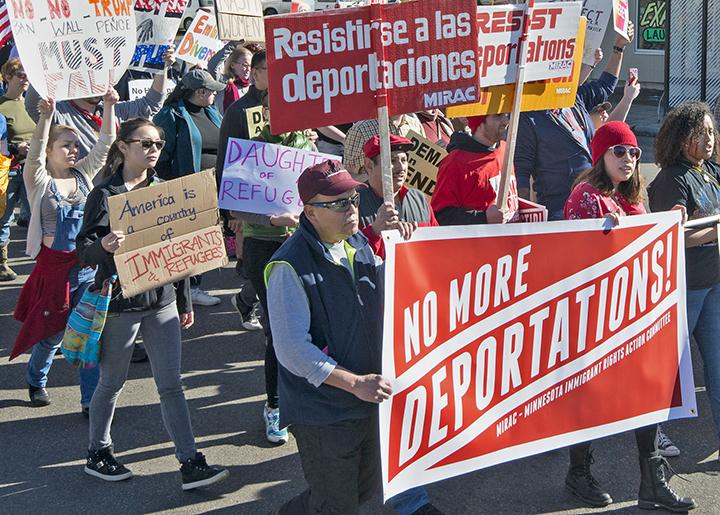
157 24
200 43
240 20
171 230
423 162
73 49
138 88
255 120
262 178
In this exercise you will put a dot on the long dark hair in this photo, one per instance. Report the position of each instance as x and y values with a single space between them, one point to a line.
597 176
681 125
179 93
115 158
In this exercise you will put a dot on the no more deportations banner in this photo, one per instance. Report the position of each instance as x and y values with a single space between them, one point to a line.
326 68
520 349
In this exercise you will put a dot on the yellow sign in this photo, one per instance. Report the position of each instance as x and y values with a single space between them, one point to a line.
539 95
255 121
423 162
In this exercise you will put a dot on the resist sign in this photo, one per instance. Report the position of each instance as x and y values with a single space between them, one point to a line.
73 49
506 353
327 67
262 178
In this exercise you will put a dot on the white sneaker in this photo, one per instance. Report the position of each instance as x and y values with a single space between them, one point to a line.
249 315
201 298
666 447
273 432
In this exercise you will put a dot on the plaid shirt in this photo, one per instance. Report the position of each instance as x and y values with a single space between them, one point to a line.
359 133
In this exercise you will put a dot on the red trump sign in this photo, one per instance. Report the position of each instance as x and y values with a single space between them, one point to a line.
499 346
330 67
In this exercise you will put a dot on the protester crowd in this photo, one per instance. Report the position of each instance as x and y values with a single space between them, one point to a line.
314 283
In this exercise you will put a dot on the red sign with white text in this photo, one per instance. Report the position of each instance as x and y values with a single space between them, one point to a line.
499 347
328 67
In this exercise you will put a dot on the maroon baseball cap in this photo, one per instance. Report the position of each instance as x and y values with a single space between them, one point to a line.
327 178
371 148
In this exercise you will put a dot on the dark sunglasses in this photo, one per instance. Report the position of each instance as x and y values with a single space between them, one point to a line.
147 144
619 151
339 206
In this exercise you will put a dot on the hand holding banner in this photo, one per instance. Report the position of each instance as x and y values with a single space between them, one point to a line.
73 49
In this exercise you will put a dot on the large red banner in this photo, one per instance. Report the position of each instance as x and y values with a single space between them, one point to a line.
329 67
500 346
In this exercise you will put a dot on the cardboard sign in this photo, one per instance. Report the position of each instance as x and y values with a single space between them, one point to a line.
138 88
597 13
171 232
200 43
157 24
621 17
240 20
262 178
423 162
73 49
255 120
423 54
508 352
547 94
551 44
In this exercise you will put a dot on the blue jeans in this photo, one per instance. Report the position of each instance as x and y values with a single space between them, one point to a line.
44 351
15 194
703 314
409 501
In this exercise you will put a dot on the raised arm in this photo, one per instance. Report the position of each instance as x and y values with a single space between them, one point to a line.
35 170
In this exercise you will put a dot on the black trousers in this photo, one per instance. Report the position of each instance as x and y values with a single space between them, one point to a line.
257 254
341 464
645 438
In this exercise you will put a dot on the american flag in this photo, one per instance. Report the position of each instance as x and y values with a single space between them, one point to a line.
5 31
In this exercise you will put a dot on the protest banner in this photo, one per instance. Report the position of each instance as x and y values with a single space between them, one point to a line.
255 120
597 13
138 88
171 232
73 49
423 162
621 17
547 94
157 24
200 43
240 20
505 353
551 41
531 212
261 177
332 67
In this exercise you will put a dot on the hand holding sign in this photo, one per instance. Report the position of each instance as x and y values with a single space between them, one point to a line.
46 107
111 242
111 98
169 56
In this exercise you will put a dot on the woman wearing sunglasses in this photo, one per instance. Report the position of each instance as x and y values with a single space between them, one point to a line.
689 180
159 314
612 188
57 184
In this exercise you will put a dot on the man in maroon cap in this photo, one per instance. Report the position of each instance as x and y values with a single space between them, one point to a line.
410 206
469 176
324 299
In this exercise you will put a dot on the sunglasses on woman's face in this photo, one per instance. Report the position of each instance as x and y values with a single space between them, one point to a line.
619 151
147 144
339 206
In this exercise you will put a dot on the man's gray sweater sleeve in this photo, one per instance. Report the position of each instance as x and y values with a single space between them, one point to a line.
290 321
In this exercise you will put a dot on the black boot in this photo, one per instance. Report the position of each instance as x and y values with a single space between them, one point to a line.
580 481
38 396
655 492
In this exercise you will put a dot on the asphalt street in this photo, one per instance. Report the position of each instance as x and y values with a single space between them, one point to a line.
43 449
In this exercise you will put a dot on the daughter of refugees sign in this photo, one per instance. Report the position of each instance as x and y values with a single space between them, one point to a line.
498 346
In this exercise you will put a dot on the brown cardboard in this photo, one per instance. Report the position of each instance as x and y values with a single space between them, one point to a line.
240 20
171 232
423 162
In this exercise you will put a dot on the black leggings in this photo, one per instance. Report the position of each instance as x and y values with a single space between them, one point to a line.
645 438
256 254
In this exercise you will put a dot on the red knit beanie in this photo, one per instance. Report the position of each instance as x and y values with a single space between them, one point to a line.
609 135
475 121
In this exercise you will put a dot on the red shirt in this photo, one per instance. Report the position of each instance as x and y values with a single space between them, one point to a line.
586 201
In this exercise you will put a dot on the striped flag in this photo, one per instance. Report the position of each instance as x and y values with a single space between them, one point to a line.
5 31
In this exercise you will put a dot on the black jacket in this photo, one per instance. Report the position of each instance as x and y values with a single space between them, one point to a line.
96 224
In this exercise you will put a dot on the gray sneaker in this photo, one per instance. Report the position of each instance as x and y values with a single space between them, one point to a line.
249 315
